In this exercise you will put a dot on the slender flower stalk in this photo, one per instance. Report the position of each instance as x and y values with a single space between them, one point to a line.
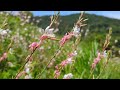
65 38
45 36
107 42
63 64
76 32
106 63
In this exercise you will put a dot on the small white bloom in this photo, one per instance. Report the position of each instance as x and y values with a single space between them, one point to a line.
75 53
11 51
41 30
3 32
25 29
76 31
29 17
49 31
68 76
69 60
27 20
28 77
116 41
105 53
22 24
38 21
27 70
113 47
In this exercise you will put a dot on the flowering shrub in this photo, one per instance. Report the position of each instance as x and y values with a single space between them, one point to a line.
30 52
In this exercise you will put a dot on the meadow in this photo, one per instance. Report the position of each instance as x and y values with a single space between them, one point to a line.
28 51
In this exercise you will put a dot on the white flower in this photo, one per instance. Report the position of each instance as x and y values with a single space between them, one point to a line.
113 47
28 76
25 29
41 30
27 70
22 24
75 53
76 31
69 60
49 31
68 76
3 32
29 17
105 53
116 41
27 20
11 51
38 21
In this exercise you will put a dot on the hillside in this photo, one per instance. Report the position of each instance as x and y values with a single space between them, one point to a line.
98 24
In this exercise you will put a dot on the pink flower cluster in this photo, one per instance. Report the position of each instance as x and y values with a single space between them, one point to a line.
4 56
96 60
33 46
43 37
57 72
63 64
65 38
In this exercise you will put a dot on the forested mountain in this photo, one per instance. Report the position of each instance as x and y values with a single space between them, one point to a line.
97 24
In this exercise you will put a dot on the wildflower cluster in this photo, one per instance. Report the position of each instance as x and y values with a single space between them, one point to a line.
64 63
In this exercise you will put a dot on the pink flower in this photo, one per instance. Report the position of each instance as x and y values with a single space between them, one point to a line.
20 74
57 73
56 67
46 36
96 60
63 63
33 46
4 56
43 37
65 38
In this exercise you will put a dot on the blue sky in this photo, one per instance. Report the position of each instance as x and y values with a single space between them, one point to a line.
112 14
